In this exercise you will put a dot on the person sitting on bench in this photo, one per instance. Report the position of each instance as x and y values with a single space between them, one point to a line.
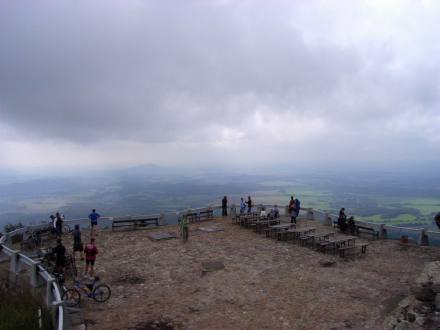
351 226
274 213
242 206
342 220
263 214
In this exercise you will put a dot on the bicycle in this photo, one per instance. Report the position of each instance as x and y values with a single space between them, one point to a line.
32 242
98 292
66 229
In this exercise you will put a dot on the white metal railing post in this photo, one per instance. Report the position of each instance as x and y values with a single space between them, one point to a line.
383 231
161 219
232 211
424 239
49 294
34 275
14 262
327 220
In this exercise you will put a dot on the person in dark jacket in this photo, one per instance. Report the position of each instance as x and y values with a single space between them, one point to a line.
60 256
225 206
77 243
59 224
249 204
297 207
342 220
292 210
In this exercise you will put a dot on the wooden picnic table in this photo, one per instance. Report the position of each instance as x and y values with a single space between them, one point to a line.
337 243
273 230
246 219
319 237
298 232
261 224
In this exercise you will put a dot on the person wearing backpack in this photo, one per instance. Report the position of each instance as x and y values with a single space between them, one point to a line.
297 207
291 208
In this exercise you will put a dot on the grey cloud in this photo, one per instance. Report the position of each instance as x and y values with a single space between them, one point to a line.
172 71
84 72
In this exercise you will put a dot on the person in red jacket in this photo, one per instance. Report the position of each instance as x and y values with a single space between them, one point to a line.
90 251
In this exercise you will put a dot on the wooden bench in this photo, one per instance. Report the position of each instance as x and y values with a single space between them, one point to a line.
192 217
304 239
322 246
206 215
366 230
134 223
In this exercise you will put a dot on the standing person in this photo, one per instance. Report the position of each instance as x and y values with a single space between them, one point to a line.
242 206
59 224
60 256
342 220
225 206
249 204
94 216
297 207
291 208
184 230
53 222
77 243
90 251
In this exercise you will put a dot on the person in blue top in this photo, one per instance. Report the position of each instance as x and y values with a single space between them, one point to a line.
242 206
94 216
297 206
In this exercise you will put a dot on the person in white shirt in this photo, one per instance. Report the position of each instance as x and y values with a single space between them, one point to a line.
263 214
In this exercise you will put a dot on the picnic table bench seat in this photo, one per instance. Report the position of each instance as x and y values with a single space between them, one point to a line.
192 217
352 250
367 230
134 222
206 215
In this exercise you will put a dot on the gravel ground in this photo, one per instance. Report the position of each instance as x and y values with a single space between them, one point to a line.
265 284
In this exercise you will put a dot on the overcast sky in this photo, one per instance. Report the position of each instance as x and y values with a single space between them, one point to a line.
120 83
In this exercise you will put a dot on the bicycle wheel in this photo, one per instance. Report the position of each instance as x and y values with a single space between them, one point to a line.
102 293
71 297
66 229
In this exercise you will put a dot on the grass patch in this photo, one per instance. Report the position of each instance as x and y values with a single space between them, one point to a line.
19 310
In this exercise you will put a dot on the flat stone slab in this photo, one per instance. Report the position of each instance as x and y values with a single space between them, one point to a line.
161 235
211 266
210 229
